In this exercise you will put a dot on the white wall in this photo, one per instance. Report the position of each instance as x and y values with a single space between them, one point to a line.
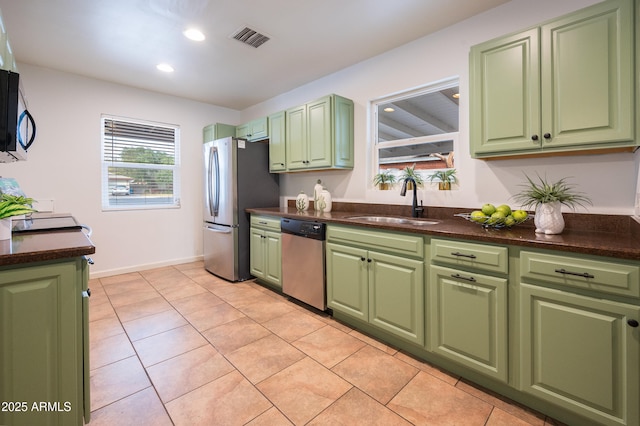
609 180
64 165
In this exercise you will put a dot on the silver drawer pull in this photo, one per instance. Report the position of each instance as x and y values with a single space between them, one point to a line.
458 254
262 223
577 274
462 277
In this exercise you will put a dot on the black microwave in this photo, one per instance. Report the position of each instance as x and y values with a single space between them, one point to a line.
17 127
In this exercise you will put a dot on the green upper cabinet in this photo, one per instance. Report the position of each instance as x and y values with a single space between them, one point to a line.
254 130
277 138
319 135
567 85
217 131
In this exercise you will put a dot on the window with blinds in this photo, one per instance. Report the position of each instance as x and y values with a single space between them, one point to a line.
140 164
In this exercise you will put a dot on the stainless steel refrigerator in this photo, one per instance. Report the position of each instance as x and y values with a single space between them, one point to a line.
236 178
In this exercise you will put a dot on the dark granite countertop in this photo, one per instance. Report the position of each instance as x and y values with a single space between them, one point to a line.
30 247
601 235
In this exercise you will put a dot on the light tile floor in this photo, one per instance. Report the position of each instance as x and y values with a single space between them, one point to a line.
177 345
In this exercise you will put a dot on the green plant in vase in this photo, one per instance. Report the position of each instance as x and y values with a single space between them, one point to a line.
409 172
547 198
384 180
445 178
15 205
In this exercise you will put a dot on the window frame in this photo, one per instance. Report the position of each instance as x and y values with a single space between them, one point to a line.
376 146
106 164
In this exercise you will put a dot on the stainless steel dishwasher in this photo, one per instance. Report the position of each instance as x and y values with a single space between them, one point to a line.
303 272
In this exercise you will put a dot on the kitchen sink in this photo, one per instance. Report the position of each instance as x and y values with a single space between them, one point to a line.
395 220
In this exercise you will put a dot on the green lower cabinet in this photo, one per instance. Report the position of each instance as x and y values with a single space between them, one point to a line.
44 360
396 292
581 353
381 289
347 280
468 320
265 256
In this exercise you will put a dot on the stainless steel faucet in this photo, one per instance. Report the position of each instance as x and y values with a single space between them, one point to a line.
415 210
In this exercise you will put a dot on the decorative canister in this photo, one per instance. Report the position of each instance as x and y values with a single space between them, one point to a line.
302 202
326 201
317 192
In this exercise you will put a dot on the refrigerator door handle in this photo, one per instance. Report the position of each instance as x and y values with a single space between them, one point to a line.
220 231
216 173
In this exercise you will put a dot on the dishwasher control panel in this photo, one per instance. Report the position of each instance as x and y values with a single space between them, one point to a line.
304 228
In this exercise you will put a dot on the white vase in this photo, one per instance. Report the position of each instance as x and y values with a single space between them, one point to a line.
325 202
302 202
5 229
317 193
548 219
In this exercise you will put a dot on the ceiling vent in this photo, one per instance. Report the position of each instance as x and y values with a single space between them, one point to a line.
250 37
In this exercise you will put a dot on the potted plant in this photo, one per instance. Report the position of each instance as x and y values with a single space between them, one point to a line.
409 172
384 180
445 178
12 205
547 199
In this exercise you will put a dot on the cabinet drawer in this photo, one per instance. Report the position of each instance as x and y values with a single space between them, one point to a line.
392 242
604 276
266 222
479 256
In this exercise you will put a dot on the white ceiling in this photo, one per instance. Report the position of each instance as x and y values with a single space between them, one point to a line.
122 40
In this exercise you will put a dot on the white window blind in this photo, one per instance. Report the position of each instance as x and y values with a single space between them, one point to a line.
140 164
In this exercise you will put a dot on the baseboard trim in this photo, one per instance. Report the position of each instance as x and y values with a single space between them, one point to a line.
137 268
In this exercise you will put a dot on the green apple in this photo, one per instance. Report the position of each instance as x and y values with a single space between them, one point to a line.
496 217
504 208
520 215
509 221
478 216
488 209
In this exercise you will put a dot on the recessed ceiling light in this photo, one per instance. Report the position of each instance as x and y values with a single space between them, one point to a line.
456 95
194 34
165 67
389 109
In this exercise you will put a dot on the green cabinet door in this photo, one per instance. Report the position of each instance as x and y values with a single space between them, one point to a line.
242 131
277 146
505 94
257 253
217 131
296 137
347 280
319 138
468 319
273 260
42 338
581 353
396 295
587 76
564 86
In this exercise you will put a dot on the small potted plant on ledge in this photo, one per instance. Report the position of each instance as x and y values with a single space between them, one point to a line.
409 172
384 180
444 177
12 205
547 199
